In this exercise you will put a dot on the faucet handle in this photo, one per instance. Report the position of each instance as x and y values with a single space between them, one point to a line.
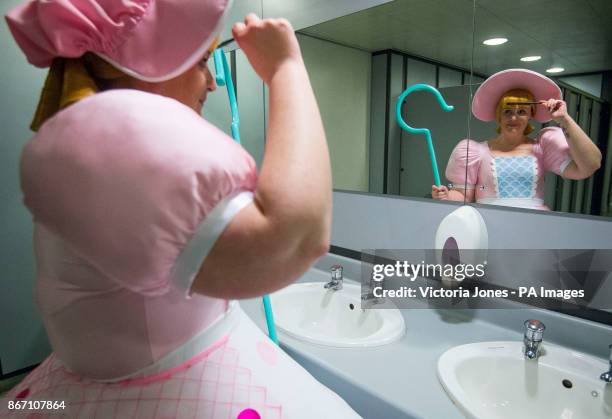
534 329
607 375
336 272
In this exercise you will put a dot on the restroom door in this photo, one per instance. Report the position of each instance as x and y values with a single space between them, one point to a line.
584 113
415 174
566 189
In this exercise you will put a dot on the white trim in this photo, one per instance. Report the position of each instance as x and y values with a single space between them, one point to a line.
187 64
222 326
564 165
190 260
536 203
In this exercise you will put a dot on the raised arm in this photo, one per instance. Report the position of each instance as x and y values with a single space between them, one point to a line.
271 242
586 157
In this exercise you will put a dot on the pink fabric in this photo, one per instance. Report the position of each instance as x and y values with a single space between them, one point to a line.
114 205
491 90
152 40
553 149
216 385
550 150
222 381
164 375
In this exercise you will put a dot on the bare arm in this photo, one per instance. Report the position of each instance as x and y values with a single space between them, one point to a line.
274 240
586 157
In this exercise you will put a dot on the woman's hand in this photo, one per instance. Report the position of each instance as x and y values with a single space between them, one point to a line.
268 44
439 192
557 109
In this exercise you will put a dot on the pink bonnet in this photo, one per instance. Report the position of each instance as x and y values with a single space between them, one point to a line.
152 40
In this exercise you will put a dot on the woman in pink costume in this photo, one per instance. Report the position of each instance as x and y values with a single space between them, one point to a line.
509 169
150 222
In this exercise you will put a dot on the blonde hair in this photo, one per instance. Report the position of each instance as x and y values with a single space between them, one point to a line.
70 80
515 95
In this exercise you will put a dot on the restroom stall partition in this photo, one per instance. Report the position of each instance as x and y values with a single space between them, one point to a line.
587 196
399 161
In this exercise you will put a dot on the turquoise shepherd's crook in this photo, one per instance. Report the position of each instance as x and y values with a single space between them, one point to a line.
400 121
223 77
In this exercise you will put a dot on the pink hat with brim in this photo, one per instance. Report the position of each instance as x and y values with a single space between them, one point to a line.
491 91
151 40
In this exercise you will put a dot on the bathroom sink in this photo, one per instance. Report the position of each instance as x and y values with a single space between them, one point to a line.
313 314
494 380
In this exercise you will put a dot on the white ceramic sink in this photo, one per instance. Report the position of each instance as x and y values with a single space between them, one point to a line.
313 314
493 380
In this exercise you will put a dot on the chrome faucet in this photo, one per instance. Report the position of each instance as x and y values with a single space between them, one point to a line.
607 376
534 329
336 278
369 296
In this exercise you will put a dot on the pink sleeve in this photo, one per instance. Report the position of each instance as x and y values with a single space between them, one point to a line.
137 184
465 154
555 150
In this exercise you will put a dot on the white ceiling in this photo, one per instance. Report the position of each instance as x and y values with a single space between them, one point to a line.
574 34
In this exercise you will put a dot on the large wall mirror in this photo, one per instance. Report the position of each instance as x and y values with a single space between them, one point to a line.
361 61
568 41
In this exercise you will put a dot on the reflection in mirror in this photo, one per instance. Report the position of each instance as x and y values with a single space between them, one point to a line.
359 65
568 42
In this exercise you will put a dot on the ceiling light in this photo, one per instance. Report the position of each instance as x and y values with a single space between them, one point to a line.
495 41
555 70
531 58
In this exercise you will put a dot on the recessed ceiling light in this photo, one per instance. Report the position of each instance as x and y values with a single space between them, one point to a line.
531 58
495 41
555 70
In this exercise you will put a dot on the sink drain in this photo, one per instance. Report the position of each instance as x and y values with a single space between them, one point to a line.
351 306
567 383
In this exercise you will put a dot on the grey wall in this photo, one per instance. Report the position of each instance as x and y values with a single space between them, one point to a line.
22 338
588 83
366 221
340 78
304 13
240 8
378 120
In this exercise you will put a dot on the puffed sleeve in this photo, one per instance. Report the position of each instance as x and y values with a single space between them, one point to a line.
465 154
137 184
555 150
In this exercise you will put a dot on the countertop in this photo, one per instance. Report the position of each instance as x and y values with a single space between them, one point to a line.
401 378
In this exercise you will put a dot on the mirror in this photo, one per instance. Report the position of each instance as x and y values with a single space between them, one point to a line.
360 63
567 41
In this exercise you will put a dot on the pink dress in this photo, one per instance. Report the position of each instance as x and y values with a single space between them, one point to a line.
129 192
516 180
